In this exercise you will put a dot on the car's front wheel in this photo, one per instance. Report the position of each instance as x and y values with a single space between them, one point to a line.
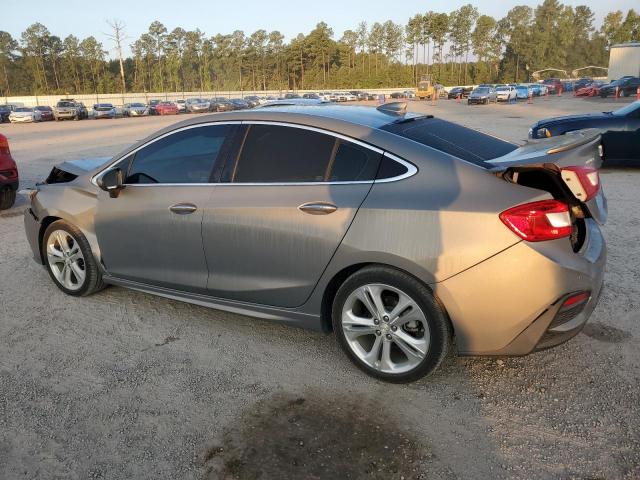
69 260
390 324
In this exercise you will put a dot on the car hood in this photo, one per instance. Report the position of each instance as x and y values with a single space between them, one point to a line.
83 165
22 114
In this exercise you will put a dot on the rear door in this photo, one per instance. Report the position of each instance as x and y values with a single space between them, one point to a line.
285 203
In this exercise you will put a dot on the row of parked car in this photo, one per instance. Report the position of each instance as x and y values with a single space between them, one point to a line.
585 87
70 109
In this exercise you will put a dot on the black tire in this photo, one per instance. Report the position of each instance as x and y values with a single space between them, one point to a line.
625 93
7 197
439 326
603 95
93 277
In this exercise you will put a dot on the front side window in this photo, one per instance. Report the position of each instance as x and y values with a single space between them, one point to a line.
187 156
279 154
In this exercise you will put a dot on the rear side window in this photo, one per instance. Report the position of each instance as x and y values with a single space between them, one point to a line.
279 154
462 142
187 156
353 162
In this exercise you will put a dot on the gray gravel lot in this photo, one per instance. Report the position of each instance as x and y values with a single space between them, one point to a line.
125 385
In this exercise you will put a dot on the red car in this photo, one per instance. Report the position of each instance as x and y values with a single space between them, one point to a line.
166 108
46 113
8 175
554 85
590 90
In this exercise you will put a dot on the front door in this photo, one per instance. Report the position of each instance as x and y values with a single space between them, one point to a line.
152 232
285 203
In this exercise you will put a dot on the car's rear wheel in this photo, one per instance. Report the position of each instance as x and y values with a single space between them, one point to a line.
7 197
390 325
69 260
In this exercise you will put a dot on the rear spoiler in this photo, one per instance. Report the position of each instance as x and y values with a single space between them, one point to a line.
581 147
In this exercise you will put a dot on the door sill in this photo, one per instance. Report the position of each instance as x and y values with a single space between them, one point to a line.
290 316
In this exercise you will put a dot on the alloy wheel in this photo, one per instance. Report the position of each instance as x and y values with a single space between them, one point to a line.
385 328
66 260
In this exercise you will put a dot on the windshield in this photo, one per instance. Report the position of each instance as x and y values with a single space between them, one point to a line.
626 110
23 109
65 104
423 85
137 105
502 89
481 90
43 109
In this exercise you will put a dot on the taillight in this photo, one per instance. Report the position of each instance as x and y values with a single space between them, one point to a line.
539 221
584 182
4 145
576 299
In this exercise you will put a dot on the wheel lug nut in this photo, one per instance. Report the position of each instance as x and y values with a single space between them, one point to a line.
388 336
378 332
385 318
376 321
394 328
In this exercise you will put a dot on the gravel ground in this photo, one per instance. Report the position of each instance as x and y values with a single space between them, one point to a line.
125 385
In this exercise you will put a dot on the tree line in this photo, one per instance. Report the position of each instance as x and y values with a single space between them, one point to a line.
460 47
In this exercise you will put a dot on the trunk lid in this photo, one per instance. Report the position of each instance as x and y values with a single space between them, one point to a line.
543 164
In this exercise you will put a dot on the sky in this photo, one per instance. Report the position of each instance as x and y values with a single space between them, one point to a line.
88 17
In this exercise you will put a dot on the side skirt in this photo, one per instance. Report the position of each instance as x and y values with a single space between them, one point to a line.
289 316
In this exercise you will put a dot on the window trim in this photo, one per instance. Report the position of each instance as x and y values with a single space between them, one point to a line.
411 168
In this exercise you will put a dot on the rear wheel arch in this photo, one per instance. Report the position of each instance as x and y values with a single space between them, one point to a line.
340 277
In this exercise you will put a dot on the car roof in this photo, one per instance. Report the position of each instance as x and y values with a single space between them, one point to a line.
363 123
360 115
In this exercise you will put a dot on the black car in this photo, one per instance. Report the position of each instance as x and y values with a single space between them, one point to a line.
5 111
464 92
621 137
239 104
152 106
626 86
582 82
398 95
220 104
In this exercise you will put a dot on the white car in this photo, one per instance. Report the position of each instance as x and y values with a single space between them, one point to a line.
506 93
182 105
197 105
325 96
25 114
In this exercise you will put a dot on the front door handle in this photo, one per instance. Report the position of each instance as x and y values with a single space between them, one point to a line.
318 208
183 208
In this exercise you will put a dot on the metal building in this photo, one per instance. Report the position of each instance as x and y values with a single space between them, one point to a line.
624 59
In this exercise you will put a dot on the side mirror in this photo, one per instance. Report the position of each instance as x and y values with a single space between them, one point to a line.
112 181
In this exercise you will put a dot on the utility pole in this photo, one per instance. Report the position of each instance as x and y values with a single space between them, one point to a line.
118 37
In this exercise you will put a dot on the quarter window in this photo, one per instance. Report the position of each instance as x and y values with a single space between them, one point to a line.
187 156
278 154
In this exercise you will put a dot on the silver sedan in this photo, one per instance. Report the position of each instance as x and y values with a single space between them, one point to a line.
398 232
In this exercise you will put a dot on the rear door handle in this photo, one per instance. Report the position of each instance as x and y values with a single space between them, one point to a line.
318 208
183 208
